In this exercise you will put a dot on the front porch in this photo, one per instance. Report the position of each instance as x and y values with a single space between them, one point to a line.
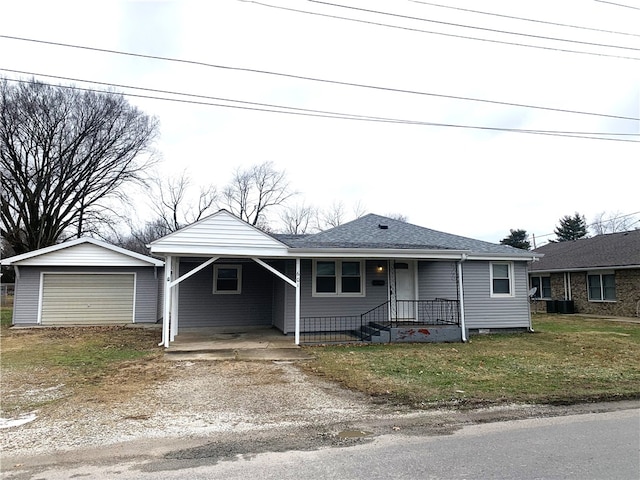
437 320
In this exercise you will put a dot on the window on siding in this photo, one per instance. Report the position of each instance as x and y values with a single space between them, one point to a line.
501 280
601 287
543 287
227 279
336 277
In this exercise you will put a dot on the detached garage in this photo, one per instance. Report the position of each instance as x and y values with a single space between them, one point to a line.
85 282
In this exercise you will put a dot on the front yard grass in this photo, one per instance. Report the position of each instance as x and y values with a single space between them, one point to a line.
568 359
42 366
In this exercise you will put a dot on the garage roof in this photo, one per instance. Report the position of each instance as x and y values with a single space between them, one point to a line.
84 251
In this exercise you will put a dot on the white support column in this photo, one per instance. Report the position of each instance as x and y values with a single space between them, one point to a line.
166 308
297 335
461 296
173 330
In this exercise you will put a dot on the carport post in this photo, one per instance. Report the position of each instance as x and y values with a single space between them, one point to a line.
297 301
166 310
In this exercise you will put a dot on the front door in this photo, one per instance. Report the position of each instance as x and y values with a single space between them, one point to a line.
403 290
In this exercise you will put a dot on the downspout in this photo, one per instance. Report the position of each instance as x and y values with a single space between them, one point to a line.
463 327
17 282
534 259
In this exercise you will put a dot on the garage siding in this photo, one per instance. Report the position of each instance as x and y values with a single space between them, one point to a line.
87 299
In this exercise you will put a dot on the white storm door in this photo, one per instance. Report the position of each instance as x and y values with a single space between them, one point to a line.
403 293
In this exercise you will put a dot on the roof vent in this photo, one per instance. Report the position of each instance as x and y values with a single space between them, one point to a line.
383 227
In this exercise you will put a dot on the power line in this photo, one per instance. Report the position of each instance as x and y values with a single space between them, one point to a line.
313 79
320 114
525 19
617 4
493 30
369 22
596 223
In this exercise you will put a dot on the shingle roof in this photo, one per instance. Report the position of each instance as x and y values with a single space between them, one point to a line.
609 250
369 232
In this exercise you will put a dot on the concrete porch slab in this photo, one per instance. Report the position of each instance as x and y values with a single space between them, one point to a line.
234 343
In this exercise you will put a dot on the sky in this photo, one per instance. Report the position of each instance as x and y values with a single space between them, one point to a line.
476 182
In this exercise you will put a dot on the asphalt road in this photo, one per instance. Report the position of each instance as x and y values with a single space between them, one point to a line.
587 446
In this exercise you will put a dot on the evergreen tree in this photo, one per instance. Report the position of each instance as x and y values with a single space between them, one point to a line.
571 228
518 239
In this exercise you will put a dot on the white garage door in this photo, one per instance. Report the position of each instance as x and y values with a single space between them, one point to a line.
87 299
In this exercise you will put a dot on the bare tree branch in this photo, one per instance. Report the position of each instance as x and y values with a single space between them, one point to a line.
62 152
298 219
173 204
253 191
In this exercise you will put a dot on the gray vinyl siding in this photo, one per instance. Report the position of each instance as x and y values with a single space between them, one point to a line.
160 294
437 280
311 306
147 280
26 300
27 293
280 292
200 307
484 311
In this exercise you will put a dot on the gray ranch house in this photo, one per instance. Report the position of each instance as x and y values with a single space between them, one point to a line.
372 279
85 282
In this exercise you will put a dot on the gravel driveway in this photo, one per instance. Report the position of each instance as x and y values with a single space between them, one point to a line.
198 400
208 411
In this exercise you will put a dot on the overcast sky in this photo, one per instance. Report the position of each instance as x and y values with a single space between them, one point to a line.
473 182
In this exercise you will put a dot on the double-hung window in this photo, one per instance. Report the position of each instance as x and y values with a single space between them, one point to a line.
601 287
542 285
227 279
338 277
501 279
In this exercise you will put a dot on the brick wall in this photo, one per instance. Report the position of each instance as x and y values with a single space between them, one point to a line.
627 294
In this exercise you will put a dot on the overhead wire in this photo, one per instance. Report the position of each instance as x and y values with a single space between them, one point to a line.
618 4
596 223
314 79
452 24
512 17
452 35
341 116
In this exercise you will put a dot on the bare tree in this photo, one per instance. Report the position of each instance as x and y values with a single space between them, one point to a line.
398 216
359 210
173 204
331 216
65 155
298 219
612 222
253 191
139 237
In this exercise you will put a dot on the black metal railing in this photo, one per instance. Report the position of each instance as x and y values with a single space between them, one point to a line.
440 311
333 329
359 328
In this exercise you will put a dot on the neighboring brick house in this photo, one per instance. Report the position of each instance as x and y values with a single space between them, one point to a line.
599 275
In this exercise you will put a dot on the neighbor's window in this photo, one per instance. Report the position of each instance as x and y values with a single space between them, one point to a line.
336 277
602 287
543 287
227 279
501 279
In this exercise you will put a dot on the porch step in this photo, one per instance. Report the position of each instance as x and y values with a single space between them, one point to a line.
374 333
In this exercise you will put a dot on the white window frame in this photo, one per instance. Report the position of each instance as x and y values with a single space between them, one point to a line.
538 295
510 273
338 269
225 266
601 299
